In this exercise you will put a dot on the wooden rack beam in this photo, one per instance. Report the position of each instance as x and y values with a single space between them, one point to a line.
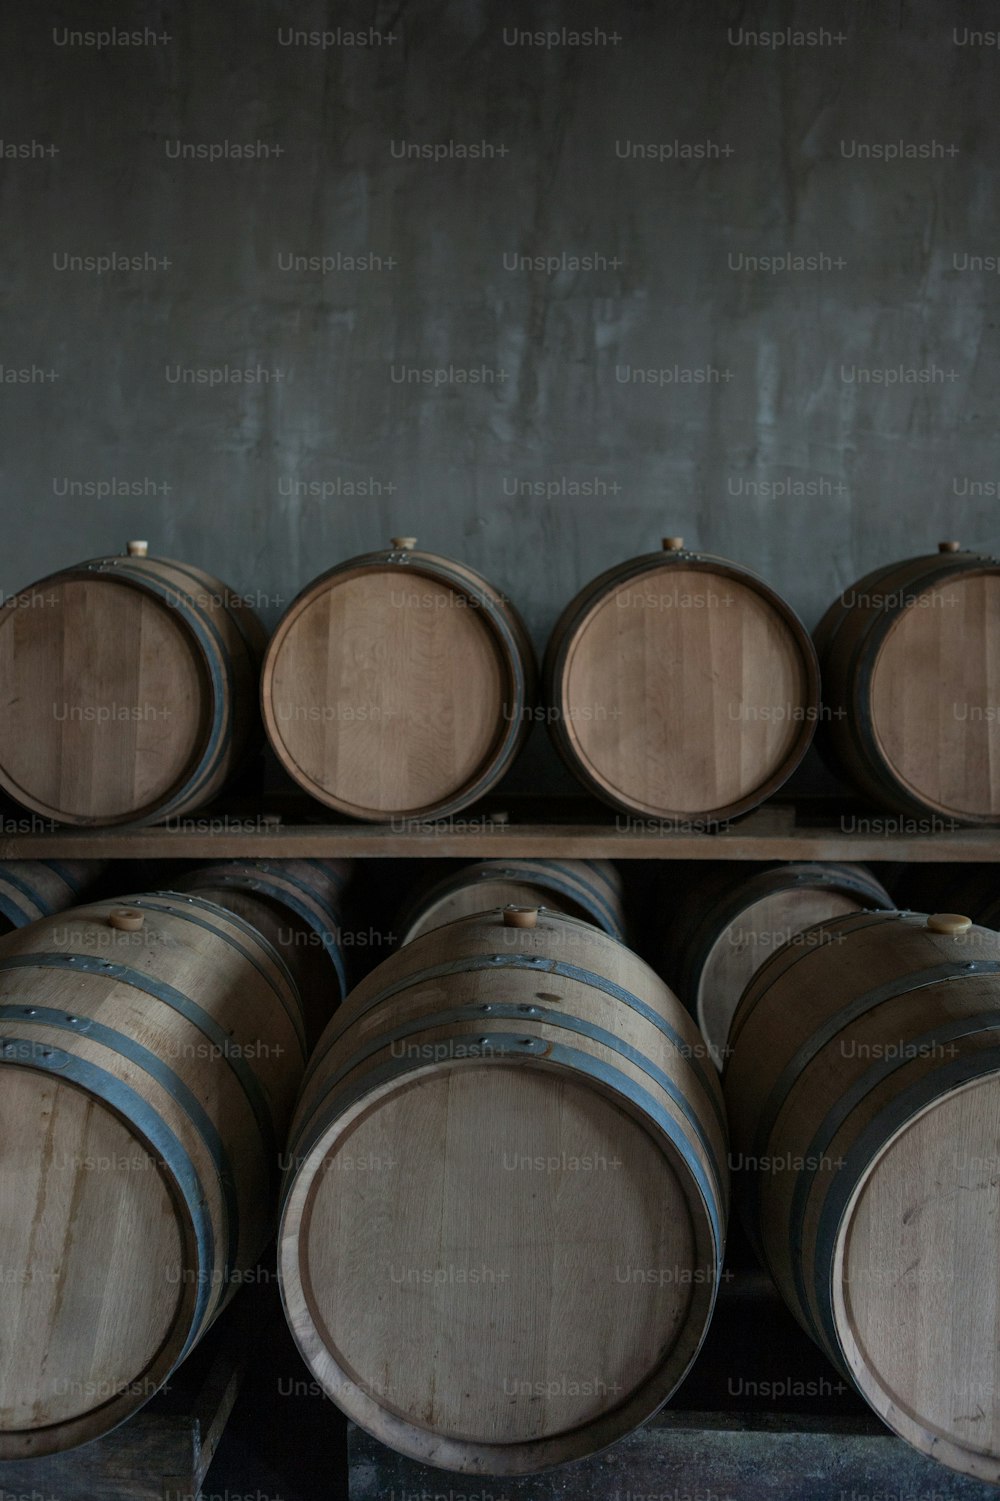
285 828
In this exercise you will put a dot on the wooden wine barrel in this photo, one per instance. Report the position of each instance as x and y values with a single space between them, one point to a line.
149 1059
506 1199
587 889
724 922
129 690
911 685
298 907
30 889
398 684
863 1089
681 687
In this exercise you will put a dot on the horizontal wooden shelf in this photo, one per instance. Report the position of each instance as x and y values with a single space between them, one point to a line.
284 826
701 1457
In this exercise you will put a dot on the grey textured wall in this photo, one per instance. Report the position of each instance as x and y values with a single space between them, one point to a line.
755 155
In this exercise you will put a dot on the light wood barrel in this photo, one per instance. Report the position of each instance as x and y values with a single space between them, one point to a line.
729 919
150 1054
863 1088
681 687
398 684
587 889
506 1199
911 685
129 688
298 907
30 889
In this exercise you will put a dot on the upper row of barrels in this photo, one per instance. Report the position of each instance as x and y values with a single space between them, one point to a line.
402 684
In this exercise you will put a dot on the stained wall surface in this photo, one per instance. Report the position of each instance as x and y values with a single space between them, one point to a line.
694 274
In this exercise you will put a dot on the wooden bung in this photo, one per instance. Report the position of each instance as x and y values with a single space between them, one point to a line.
911 684
130 690
520 917
528 1269
588 889
680 687
127 919
145 1091
948 922
863 1094
391 692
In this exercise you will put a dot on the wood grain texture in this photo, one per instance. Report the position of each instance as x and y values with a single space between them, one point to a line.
506 1197
146 1081
720 926
681 686
863 1091
297 905
128 690
911 674
397 685
587 889
158 1455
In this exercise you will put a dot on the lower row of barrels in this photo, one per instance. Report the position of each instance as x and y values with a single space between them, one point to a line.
527 1265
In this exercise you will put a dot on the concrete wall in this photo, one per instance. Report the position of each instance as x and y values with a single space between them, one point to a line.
871 471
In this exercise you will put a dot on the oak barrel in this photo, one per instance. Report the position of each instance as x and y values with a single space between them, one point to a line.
911 685
150 1054
863 1090
398 684
588 889
680 686
298 907
506 1196
128 687
30 889
724 921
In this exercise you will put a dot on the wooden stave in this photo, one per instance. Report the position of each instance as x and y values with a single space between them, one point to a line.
310 1143
351 1024
219 612
574 615
30 889
702 913
217 1160
229 643
800 1225
836 736
297 898
848 640
588 889
510 636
